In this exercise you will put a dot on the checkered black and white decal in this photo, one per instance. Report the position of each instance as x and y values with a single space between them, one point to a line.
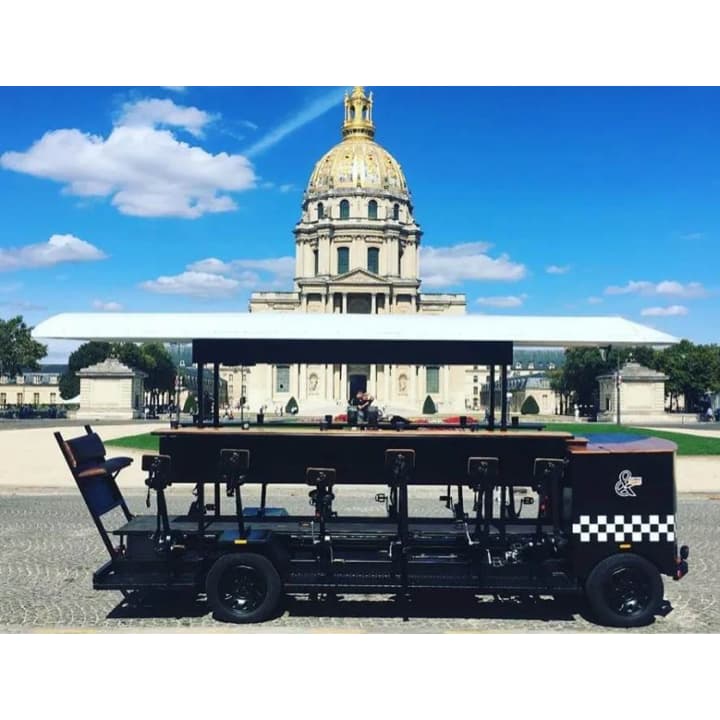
623 528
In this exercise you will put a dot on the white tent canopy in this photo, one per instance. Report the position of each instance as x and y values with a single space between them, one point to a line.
525 330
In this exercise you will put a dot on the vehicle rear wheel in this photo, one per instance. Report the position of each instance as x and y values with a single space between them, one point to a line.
243 588
624 590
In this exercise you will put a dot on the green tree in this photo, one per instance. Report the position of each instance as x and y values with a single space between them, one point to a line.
292 407
692 371
190 404
18 350
87 354
160 369
530 406
150 358
580 371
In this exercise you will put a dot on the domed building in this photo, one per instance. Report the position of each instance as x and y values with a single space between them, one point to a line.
356 250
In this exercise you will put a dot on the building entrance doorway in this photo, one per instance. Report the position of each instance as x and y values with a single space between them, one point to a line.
357 383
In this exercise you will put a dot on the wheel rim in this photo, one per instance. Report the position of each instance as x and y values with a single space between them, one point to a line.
242 589
628 591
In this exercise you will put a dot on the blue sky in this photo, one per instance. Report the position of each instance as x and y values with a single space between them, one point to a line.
571 201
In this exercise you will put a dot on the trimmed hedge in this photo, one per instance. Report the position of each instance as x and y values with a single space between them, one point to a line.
530 406
429 406
292 407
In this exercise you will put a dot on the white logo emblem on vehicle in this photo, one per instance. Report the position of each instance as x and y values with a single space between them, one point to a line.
625 484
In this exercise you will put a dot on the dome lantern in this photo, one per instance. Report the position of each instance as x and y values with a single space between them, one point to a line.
358 115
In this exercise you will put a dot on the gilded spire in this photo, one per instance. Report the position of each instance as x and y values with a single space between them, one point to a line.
358 115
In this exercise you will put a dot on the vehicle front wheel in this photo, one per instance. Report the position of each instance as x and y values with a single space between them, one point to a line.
624 590
243 588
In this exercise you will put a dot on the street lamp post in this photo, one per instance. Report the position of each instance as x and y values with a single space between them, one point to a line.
618 383
178 388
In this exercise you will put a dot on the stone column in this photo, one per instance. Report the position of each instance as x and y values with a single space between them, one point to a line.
343 382
324 250
373 304
413 384
344 303
299 249
445 380
302 381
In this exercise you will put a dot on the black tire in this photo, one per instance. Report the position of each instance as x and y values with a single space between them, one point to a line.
243 588
624 590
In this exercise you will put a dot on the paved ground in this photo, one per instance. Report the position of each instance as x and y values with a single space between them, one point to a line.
49 550
31 457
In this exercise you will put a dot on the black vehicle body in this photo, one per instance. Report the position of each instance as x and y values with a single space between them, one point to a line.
593 501
528 511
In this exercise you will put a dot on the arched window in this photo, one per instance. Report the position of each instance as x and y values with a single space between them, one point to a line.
343 259
320 211
373 260
396 212
344 209
372 210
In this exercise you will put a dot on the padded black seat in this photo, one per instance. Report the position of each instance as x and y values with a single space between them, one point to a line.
110 467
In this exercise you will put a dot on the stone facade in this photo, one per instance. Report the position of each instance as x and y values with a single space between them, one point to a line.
29 389
110 391
536 385
642 395
356 251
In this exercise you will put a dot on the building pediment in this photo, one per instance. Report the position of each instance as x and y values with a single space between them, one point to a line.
359 277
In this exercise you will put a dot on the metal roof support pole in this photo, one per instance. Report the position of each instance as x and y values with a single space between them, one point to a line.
200 394
491 418
503 401
216 394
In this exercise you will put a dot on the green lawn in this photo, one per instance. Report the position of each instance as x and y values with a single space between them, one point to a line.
687 444
137 442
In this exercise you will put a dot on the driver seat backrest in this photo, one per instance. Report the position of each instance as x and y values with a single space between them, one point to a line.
95 477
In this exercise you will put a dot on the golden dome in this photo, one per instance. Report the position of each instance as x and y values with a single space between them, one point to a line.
358 161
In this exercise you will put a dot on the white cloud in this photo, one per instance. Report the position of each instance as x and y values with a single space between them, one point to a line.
194 284
248 124
671 287
666 287
595 300
58 249
313 111
503 301
175 88
145 170
152 112
467 261
110 306
287 187
212 277
210 265
557 269
280 269
664 311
